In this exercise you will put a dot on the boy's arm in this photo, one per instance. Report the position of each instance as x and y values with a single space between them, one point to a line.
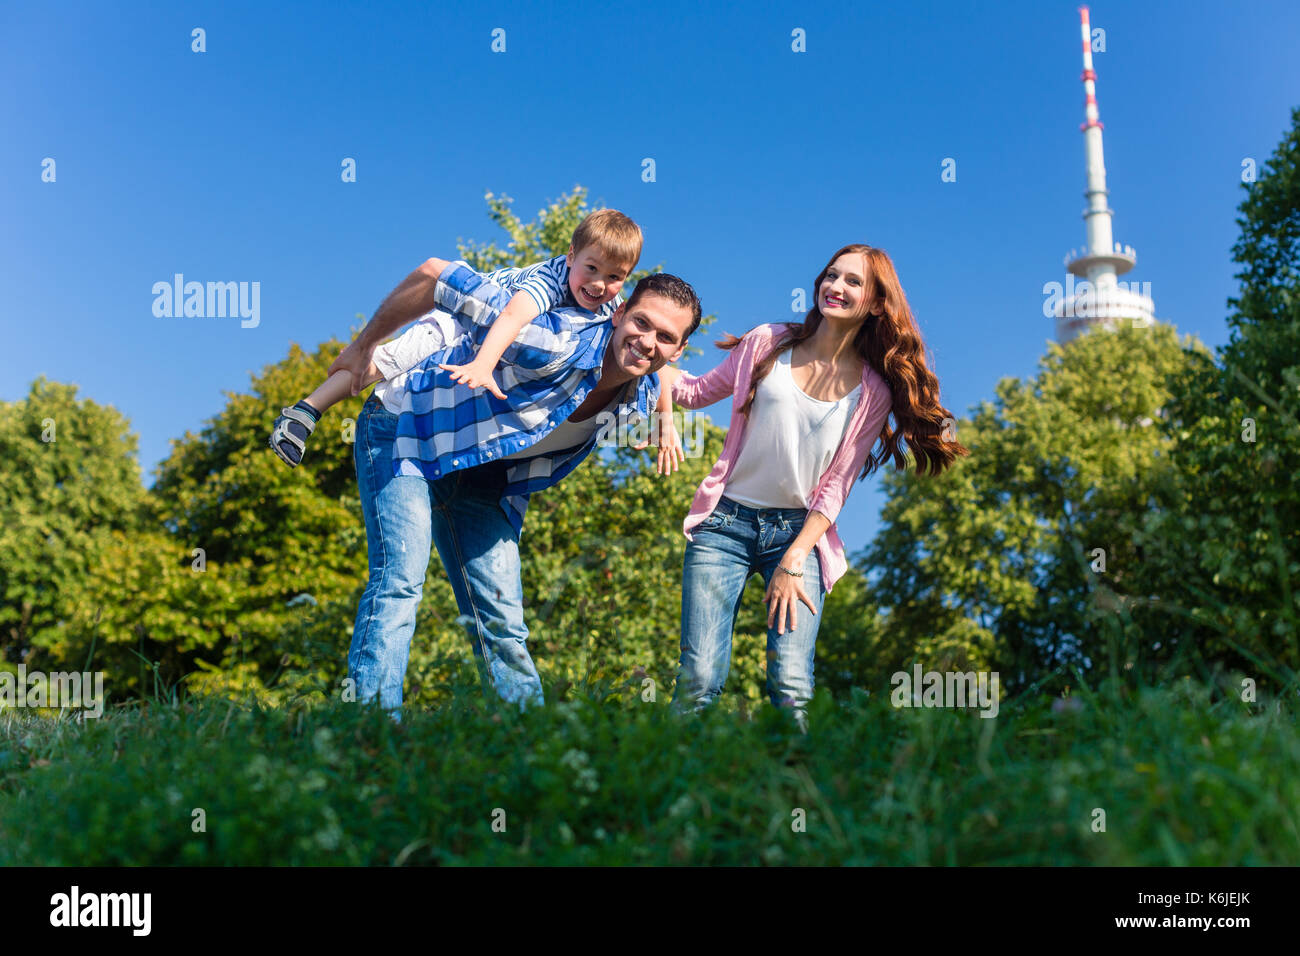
540 287
519 311
413 297
462 291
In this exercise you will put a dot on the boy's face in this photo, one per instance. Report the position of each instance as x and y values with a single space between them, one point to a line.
595 279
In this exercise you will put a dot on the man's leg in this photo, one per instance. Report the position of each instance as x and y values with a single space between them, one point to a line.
718 562
398 542
480 553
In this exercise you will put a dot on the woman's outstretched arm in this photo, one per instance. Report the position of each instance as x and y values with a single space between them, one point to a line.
696 391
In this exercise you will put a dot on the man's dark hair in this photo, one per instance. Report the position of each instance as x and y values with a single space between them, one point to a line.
672 288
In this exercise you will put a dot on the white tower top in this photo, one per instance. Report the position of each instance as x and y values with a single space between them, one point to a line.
1100 300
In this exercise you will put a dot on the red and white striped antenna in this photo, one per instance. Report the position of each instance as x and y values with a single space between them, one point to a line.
1090 111
1102 259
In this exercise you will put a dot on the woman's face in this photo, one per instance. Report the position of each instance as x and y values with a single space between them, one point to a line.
843 292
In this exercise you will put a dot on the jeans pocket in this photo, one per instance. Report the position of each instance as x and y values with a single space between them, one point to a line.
720 517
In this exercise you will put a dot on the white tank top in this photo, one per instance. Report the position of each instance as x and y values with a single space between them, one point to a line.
789 442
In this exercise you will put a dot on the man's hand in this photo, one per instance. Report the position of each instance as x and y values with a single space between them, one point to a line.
476 375
356 359
671 455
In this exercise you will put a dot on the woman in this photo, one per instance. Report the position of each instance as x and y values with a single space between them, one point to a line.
809 400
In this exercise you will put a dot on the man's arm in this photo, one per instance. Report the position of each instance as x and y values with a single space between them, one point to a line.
668 376
413 297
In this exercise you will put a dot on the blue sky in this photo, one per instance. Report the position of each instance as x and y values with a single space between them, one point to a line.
224 166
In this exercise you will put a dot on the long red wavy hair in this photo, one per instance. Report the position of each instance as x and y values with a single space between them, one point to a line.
890 343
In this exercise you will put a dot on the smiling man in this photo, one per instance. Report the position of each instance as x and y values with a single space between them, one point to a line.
443 465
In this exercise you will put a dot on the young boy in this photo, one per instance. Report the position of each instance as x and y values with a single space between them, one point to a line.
605 248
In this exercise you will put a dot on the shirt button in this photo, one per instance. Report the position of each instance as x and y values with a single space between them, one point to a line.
455 461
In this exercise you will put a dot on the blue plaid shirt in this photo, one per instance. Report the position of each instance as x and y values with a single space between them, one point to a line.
545 374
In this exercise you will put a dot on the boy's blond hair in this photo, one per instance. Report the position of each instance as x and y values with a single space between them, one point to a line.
612 233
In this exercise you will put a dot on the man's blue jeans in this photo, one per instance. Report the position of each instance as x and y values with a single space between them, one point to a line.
460 514
729 545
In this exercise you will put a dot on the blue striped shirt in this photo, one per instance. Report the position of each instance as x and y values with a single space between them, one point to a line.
546 373
547 284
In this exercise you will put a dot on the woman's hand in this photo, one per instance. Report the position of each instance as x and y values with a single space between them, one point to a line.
785 591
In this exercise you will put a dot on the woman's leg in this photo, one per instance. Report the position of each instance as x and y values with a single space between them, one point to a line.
718 562
790 656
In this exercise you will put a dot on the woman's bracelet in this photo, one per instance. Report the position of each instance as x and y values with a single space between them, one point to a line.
793 574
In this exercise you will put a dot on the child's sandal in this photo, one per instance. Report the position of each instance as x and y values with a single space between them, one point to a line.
286 432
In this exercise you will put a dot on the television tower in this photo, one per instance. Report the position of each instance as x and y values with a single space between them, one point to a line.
1100 301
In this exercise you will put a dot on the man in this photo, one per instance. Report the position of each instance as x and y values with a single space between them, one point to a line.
455 469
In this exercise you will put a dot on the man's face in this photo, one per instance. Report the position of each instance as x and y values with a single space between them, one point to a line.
594 278
647 336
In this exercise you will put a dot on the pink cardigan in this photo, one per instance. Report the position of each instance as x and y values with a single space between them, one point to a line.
732 378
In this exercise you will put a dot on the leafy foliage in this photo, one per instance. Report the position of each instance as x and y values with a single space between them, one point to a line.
995 564
245 575
1229 546
69 483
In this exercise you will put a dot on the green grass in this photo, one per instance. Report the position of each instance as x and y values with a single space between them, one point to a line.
607 779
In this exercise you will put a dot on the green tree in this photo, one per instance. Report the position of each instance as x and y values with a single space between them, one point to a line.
1027 557
69 482
1229 548
602 551
244 549
249 580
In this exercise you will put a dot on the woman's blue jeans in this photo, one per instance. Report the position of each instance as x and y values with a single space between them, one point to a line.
730 545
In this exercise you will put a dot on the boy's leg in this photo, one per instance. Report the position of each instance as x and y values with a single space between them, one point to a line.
333 390
396 511
718 563
480 553
292 429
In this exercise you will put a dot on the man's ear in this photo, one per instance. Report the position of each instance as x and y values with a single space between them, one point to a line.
678 354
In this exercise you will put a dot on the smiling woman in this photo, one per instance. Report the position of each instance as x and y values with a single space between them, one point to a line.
809 402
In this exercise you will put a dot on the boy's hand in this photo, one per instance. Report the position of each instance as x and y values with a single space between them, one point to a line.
475 376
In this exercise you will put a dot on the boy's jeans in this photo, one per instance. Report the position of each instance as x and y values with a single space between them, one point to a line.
460 514
730 545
